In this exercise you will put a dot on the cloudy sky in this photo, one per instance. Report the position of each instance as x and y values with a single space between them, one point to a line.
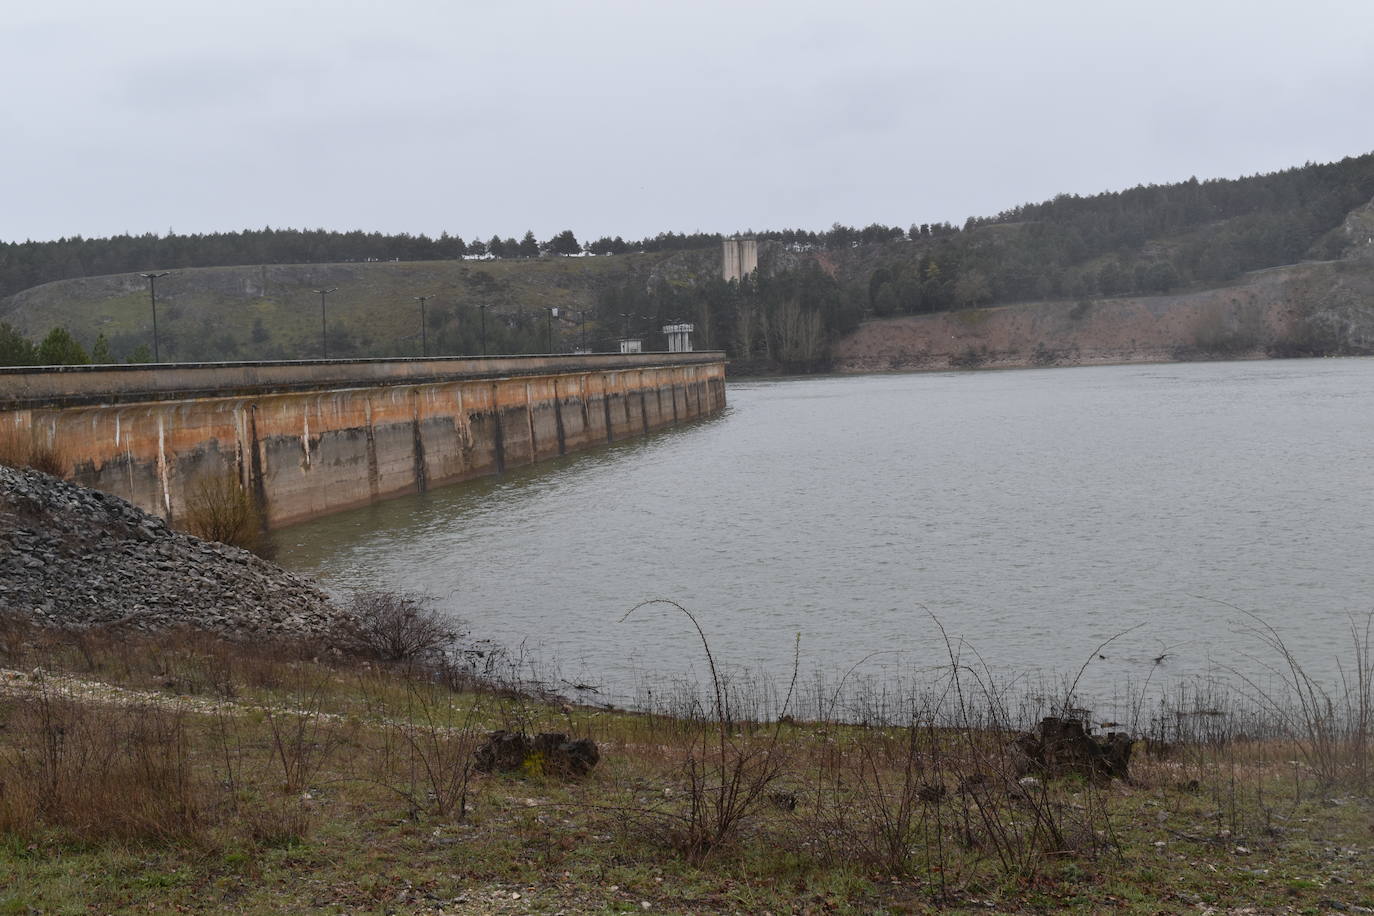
632 117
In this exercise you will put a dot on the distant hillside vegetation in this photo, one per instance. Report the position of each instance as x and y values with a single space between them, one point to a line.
813 290
272 311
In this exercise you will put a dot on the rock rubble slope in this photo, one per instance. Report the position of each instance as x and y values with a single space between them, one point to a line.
76 558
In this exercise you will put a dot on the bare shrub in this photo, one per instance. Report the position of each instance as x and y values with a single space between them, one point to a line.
1043 356
1218 334
876 800
97 772
13 453
16 630
729 771
969 358
277 822
303 737
47 459
427 753
994 809
1358 681
476 665
270 816
940 796
1330 728
396 627
218 508
18 453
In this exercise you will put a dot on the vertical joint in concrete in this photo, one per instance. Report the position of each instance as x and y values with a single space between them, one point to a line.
418 446
374 474
558 420
498 434
255 475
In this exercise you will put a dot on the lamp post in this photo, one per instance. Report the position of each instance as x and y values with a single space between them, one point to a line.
152 300
548 327
424 346
484 329
324 323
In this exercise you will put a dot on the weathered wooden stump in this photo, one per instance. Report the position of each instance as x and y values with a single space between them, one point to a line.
1063 747
547 753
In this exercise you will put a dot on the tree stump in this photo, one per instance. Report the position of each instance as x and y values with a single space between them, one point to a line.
547 753
1063 747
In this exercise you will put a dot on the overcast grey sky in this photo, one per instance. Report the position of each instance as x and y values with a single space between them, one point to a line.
630 118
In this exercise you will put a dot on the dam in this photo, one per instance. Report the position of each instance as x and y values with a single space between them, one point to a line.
308 438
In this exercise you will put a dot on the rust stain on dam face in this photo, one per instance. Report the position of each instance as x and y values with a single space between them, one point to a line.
307 439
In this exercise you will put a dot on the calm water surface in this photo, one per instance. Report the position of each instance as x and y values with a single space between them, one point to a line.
1034 513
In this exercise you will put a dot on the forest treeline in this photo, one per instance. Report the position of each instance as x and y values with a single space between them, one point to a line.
1145 240
1153 237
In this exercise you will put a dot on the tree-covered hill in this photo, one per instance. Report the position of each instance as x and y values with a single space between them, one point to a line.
247 294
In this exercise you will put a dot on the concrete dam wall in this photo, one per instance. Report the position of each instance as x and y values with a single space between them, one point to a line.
306 439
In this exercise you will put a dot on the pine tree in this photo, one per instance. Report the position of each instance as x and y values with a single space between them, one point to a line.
60 348
15 349
564 243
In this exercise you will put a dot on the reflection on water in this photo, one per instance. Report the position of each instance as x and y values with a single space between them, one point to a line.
1034 513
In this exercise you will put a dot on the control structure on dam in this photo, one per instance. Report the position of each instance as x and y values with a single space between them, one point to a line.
308 438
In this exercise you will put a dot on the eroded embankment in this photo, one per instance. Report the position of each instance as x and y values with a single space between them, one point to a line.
76 558
1308 309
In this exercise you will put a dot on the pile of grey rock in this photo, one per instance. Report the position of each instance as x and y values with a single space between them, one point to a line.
75 558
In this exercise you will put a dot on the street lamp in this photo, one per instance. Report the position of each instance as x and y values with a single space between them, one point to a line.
152 300
424 346
484 329
548 327
324 324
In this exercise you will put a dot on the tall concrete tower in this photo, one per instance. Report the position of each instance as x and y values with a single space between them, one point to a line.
740 258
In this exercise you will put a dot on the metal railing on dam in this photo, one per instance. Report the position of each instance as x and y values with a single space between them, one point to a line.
311 437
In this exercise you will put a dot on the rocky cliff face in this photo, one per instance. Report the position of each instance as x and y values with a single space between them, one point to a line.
1357 233
77 558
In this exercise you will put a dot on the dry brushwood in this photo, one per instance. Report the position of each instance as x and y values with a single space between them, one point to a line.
219 508
394 627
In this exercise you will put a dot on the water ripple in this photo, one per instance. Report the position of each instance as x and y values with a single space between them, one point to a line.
1035 513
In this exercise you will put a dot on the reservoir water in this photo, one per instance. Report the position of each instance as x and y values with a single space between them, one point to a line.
1034 513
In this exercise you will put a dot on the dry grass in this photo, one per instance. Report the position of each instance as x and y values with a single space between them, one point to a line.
192 771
